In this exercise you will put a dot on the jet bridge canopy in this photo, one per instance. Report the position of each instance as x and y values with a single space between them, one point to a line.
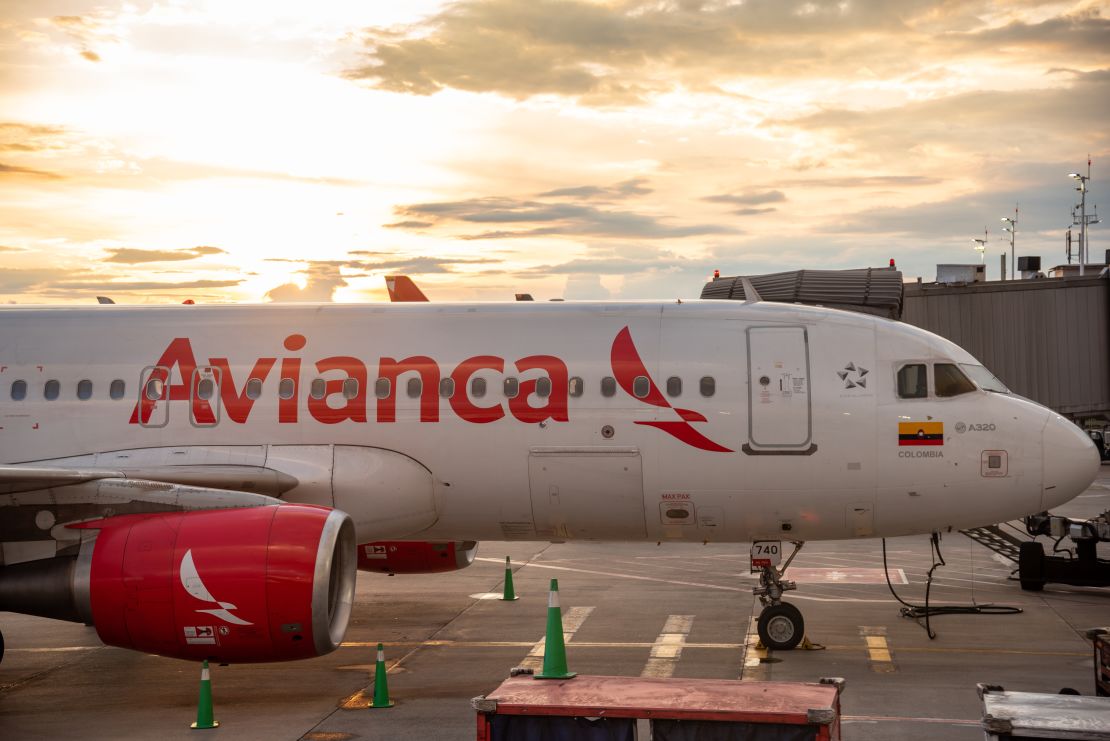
868 290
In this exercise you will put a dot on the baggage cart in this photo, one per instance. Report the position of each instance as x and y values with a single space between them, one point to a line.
595 708
1035 715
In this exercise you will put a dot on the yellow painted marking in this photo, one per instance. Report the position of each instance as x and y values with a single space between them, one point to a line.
882 661
667 649
572 621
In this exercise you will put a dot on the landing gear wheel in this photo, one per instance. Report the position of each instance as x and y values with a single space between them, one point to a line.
781 626
1031 566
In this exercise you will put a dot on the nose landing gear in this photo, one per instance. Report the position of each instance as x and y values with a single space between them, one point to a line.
780 624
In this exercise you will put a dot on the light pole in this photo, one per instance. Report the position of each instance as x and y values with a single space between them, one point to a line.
1082 220
1012 229
981 246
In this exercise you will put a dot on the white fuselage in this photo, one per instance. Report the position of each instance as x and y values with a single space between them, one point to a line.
787 444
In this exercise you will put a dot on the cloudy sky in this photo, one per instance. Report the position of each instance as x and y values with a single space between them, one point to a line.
273 150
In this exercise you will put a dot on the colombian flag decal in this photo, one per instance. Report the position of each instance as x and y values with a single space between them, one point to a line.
921 433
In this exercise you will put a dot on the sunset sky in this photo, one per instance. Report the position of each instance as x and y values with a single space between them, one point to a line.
281 151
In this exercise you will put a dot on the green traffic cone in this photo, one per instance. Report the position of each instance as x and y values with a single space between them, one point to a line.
555 650
204 704
381 687
509 595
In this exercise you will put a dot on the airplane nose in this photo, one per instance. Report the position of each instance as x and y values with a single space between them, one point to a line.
1071 461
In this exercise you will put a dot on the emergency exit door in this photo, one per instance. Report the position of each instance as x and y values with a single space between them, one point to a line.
780 409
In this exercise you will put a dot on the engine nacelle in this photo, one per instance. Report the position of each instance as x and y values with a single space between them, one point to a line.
270 583
415 557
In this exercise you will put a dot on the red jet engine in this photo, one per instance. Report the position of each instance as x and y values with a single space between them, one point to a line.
415 557
270 583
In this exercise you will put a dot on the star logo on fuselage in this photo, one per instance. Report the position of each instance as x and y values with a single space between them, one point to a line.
853 376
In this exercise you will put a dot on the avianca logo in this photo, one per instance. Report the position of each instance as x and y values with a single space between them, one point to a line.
191 580
334 406
626 366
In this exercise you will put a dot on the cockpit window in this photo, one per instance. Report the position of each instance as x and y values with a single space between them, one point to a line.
950 380
984 379
912 383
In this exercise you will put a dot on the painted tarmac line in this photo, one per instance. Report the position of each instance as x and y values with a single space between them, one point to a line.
572 621
57 649
878 650
749 641
754 665
667 649
624 576
680 583
902 719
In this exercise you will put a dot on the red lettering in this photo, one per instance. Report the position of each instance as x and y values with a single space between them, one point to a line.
178 353
237 403
460 401
355 408
556 406
429 392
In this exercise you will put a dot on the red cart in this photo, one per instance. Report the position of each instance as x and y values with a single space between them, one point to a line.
1101 639
592 708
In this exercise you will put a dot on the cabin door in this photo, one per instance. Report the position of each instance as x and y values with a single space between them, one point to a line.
781 410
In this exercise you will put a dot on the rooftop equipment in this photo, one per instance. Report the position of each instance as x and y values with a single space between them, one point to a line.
866 290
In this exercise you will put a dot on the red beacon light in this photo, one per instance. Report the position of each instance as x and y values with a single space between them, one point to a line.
892 263
716 274
191 302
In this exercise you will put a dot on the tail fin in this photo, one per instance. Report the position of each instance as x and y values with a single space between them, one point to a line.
401 288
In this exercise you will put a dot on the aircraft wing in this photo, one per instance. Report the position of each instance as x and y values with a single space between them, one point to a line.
39 505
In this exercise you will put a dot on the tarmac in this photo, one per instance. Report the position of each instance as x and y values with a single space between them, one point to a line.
681 610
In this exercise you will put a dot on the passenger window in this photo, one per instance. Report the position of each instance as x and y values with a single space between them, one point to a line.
318 388
707 386
674 386
911 381
447 388
641 386
117 389
254 388
381 388
51 390
414 387
19 390
543 387
350 388
608 386
286 388
950 380
512 387
154 388
84 389
206 388
575 386
477 387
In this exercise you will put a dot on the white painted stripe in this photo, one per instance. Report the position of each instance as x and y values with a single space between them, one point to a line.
667 649
572 621
752 666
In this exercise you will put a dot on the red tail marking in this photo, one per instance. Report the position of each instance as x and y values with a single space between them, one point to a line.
401 288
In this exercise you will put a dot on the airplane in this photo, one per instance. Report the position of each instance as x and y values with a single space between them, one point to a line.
203 482
402 288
